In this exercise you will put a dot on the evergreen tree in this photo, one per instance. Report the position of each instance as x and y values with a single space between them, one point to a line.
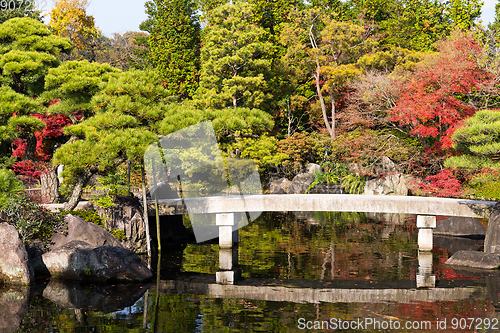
463 13
126 110
28 50
233 59
174 45
478 141
74 83
416 25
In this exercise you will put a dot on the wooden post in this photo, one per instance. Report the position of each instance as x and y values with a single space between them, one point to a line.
129 163
146 218
158 235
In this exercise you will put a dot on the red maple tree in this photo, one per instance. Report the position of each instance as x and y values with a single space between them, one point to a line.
439 94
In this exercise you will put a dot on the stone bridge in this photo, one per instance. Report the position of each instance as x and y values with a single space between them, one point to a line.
426 208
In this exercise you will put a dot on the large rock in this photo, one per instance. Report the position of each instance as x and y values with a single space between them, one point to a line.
126 214
301 183
14 261
396 184
14 302
80 230
460 226
81 261
492 239
279 186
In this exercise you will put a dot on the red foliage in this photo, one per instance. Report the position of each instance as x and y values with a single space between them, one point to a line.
30 169
54 125
434 102
444 184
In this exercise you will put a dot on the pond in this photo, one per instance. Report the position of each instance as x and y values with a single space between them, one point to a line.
300 272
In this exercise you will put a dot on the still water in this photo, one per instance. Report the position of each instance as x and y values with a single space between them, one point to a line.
300 272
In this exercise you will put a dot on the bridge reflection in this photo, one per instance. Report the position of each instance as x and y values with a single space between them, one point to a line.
311 291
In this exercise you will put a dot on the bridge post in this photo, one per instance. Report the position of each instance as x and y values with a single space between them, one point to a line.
425 224
225 222
229 272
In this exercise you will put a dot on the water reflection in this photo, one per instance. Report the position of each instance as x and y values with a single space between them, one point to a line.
329 265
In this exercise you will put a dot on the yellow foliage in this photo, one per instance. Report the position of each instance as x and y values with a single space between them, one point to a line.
69 19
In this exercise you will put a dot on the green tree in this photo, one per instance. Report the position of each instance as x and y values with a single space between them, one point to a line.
463 13
478 141
74 83
271 14
9 185
233 59
28 51
126 110
416 25
174 45
131 109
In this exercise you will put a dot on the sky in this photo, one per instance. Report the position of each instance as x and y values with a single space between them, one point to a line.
121 16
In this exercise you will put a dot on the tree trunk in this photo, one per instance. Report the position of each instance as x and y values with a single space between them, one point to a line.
50 186
322 101
30 150
78 190
333 114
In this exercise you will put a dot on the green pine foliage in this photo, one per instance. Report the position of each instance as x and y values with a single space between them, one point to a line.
174 45
233 59
28 49
478 141
126 111
75 83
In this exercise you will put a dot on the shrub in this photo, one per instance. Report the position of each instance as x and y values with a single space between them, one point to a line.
299 148
33 222
9 184
444 184
485 184
86 215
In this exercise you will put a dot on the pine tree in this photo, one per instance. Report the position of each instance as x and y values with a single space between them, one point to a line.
233 59
174 45
479 142
74 83
28 50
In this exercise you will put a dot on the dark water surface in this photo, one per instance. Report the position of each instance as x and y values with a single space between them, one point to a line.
299 271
